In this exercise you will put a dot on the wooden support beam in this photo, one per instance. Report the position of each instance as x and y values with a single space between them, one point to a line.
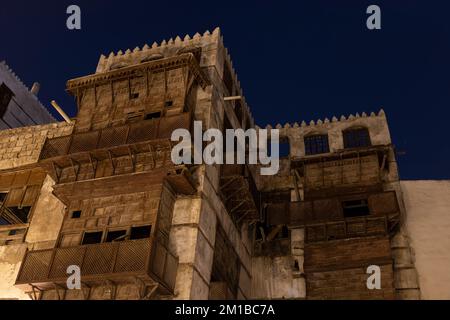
112 161
243 216
226 184
151 293
238 206
272 234
94 169
73 167
263 234
234 193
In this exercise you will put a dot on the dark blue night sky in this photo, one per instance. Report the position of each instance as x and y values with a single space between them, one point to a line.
298 60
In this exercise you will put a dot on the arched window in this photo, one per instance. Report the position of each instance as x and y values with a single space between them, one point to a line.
356 138
315 144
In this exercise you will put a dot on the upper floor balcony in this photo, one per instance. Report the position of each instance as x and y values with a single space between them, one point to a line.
142 148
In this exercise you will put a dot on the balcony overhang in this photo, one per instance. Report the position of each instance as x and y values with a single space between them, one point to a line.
118 262
182 60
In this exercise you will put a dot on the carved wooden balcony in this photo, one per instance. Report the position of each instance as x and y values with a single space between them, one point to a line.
113 140
324 219
142 148
120 262
239 192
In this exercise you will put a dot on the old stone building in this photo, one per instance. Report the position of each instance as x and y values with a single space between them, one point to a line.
102 193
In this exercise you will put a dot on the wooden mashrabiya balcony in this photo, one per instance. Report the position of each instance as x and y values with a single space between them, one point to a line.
119 262
86 150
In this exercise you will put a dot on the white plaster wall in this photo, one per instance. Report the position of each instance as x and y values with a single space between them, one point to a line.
427 204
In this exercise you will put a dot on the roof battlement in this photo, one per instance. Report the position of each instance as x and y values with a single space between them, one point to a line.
165 47
210 42
325 121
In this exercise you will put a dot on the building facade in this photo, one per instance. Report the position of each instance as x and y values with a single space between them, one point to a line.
102 194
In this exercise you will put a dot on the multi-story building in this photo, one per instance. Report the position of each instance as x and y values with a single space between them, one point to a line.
19 106
102 193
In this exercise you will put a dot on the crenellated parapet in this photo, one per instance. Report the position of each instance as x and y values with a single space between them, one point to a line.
295 133
208 48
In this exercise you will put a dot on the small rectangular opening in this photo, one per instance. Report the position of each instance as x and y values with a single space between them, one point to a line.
152 115
168 103
118 235
76 214
355 208
92 237
134 95
140 232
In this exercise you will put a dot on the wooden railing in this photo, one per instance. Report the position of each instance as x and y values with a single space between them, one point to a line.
153 129
350 228
98 262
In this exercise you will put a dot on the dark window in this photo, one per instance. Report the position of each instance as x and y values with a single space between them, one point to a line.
92 237
16 214
355 208
283 234
140 232
153 115
76 214
283 148
5 97
3 196
356 138
316 144
168 103
118 235
134 95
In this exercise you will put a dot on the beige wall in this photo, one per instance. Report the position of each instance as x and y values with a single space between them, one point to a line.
22 146
10 260
427 205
